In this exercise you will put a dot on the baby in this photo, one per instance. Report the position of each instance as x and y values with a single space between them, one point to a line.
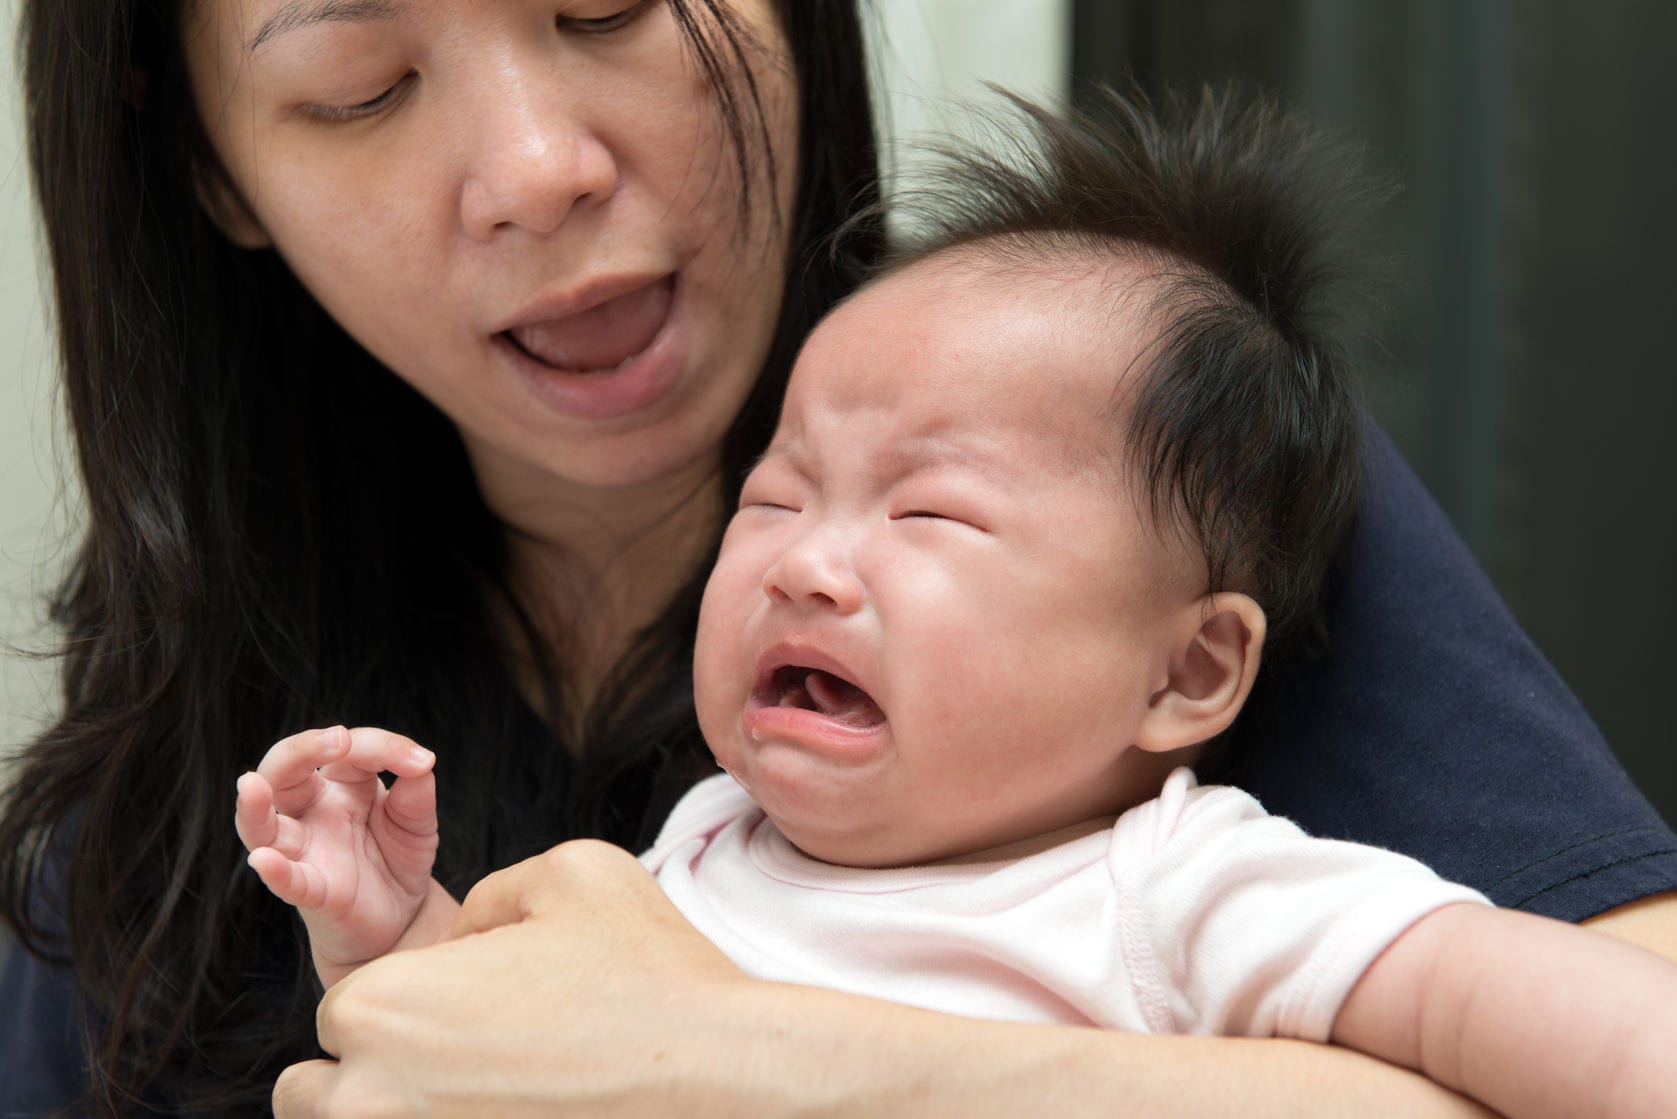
1039 498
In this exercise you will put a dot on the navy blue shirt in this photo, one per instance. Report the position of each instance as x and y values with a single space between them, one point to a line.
40 1066
1433 727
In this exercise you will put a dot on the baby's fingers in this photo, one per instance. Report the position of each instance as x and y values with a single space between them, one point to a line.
372 751
412 804
257 822
294 883
289 767
407 831
254 817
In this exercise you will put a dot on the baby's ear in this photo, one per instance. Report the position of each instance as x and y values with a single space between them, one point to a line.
1210 675
228 211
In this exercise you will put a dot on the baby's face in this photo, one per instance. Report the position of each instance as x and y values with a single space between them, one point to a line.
938 616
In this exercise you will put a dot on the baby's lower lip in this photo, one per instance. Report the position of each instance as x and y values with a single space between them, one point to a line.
770 722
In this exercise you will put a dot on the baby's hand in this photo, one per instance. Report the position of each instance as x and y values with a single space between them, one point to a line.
326 836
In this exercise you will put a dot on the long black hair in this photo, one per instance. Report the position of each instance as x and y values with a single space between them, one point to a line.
278 534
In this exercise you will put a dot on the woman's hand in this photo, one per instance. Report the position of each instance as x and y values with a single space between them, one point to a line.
570 991
328 837
1649 923
576 989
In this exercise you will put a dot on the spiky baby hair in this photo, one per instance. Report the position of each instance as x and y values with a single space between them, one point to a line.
1243 430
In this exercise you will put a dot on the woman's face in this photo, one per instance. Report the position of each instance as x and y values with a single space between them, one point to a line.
527 210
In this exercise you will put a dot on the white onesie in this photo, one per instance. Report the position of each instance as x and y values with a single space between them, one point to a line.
1196 912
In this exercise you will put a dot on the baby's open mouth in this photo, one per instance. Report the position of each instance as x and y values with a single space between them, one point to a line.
811 689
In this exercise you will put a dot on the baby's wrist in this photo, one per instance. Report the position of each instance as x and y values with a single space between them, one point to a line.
431 921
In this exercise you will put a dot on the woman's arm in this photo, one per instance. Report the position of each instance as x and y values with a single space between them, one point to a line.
1649 923
1435 727
577 989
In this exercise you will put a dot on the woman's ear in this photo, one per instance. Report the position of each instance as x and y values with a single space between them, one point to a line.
1210 675
228 211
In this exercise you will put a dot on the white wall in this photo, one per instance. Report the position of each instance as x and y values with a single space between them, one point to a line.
31 532
930 55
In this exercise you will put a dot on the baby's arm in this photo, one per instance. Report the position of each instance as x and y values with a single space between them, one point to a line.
353 856
1530 1016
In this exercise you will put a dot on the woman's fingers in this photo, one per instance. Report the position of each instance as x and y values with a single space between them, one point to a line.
302 1091
582 875
469 1027
508 896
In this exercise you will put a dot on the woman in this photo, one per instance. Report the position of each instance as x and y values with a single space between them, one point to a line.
582 235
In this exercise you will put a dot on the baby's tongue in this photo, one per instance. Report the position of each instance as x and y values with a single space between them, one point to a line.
840 699
602 337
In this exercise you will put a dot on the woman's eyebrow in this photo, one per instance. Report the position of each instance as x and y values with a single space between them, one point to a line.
307 13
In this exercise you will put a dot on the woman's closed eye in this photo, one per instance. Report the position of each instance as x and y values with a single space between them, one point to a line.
600 25
335 114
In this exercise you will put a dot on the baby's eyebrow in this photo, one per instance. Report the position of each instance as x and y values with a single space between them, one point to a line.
306 13
776 451
912 456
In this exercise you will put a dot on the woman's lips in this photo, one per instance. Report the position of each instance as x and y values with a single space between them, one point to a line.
603 337
612 359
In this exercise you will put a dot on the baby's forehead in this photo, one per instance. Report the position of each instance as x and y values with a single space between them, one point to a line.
1119 280
1038 346
1062 324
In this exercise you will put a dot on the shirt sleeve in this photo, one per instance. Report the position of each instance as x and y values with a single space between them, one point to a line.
1253 928
40 1024
42 1064
1435 727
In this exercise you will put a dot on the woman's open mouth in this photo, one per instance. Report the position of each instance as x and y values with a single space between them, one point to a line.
617 357
603 338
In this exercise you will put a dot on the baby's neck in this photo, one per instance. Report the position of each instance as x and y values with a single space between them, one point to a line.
1030 845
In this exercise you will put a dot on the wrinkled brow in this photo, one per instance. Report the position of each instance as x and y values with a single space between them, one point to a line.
306 13
925 453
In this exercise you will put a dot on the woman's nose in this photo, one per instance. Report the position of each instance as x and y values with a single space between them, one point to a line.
816 570
534 159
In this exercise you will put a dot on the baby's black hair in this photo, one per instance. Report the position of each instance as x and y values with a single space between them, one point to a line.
1243 429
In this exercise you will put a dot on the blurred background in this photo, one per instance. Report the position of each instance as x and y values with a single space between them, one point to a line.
1528 371
1526 366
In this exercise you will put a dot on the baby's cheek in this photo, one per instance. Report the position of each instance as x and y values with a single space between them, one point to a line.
712 699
